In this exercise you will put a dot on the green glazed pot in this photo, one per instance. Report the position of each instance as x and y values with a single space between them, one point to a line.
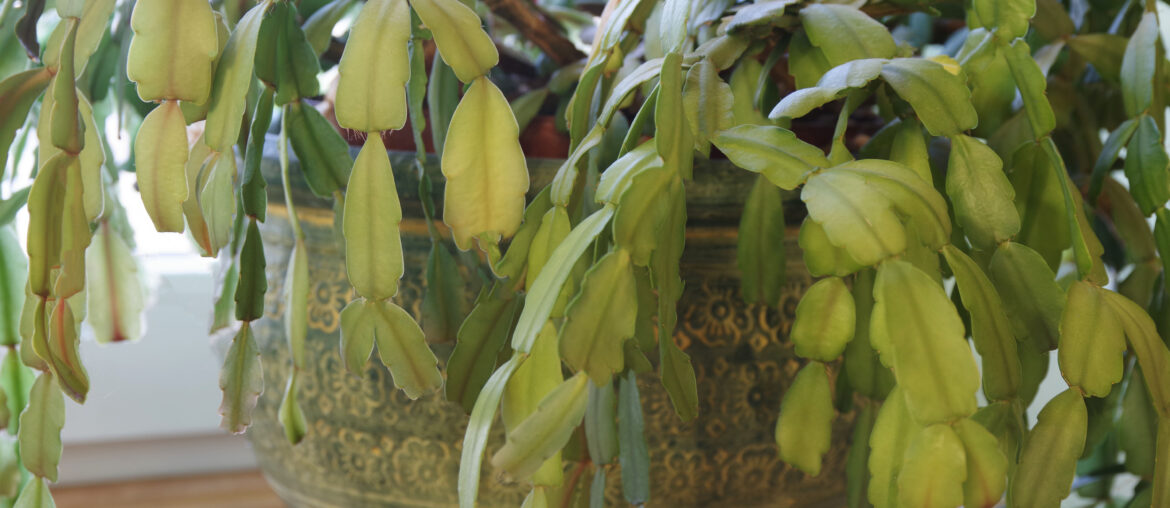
368 445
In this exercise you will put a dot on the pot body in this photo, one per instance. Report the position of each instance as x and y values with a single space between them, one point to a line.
368 445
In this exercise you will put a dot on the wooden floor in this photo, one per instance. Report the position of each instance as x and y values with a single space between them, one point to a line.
228 490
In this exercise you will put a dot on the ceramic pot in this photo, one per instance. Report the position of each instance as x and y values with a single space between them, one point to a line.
368 445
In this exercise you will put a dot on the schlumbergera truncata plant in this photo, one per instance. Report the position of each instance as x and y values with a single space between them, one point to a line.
992 175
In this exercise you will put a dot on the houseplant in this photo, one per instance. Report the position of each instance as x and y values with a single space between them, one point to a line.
926 201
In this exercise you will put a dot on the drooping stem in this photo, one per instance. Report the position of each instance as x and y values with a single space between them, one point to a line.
282 150
539 28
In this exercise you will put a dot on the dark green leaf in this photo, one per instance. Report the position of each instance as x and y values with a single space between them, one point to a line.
1031 82
26 28
1104 50
1030 293
1138 66
253 281
443 304
990 329
634 457
1109 154
760 248
1146 166
253 187
284 58
323 154
480 339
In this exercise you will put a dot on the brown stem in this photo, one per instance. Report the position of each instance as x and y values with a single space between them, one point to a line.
537 26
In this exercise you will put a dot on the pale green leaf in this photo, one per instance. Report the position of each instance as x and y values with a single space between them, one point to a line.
291 418
233 77
371 89
486 172
845 33
830 87
35 494
707 103
217 200
541 295
13 277
932 361
933 470
616 179
538 376
601 318
373 248
987 466
116 294
991 331
891 436
40 428
1009 18
295 295
1147 346
545 431
173 50
774 152
461 41
478 428
1092 341
160 154
939 96
804 430
18 92
1030 294
1047 464
824 321
981 193
242 381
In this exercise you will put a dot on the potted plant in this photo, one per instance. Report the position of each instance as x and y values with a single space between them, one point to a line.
986 208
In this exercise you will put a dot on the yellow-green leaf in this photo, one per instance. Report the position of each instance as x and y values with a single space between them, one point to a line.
374 69
771 151
1047 464
1150 350
545 431
991 331
67 132
939 97
40 428
804 430
291 418
1030 294
987 466
1092 341
981 193
461 41
1009 18
824 320
707 103
35 494
487 175
160 152
373 248
601 318
891 436
845 33
46 209
821 257
233 77
296 300
933 470
538 376
401 344
173 49
932 361
1032 83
